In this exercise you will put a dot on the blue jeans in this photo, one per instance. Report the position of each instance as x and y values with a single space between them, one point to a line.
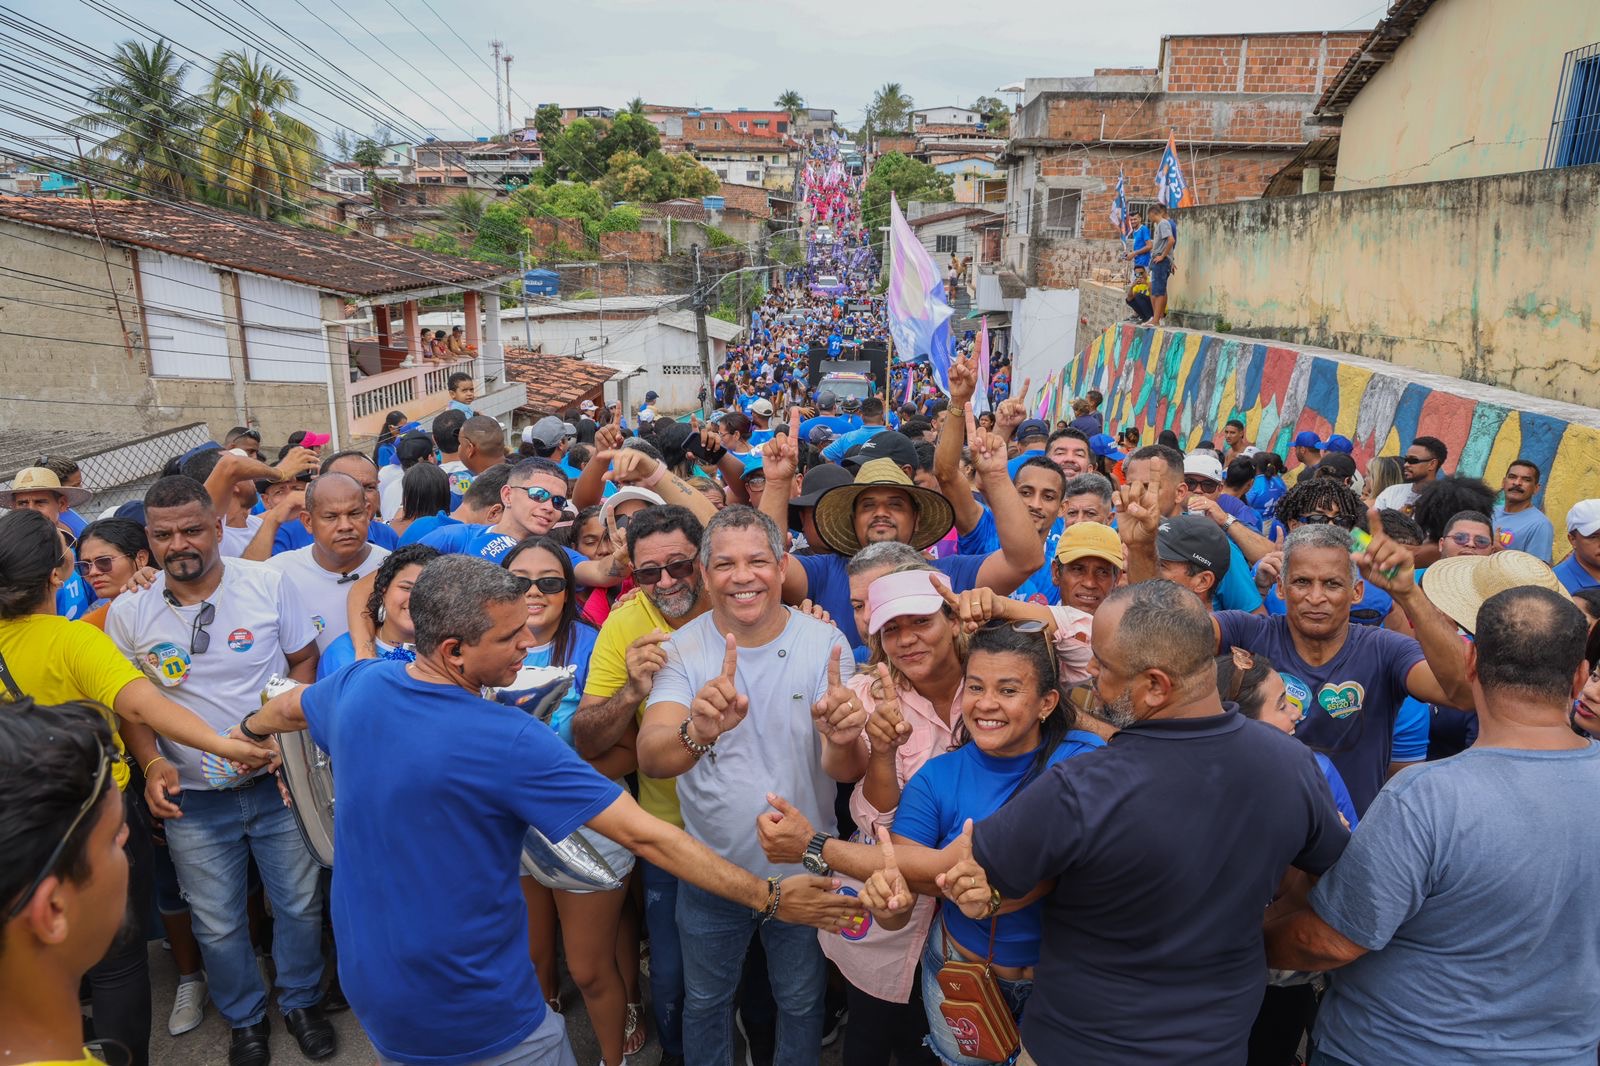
666 955
714 935
943 1042
210 846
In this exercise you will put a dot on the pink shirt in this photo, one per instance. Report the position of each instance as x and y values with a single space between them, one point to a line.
883 962
1072 644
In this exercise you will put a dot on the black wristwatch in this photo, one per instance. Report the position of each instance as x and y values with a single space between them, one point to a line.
812 860
249 733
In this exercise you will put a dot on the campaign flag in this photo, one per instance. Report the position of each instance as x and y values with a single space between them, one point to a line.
919 314
980 394
1171 188
1119 207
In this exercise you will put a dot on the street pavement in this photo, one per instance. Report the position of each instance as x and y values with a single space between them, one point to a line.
208 1045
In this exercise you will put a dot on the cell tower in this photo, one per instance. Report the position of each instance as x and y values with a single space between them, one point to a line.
494 47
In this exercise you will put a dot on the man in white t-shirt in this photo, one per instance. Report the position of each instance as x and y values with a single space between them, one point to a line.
1421 463
339 554
211 632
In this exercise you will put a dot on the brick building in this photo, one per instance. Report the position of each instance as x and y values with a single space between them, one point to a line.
1239 106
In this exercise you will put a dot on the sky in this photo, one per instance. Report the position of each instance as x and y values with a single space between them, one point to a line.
423 76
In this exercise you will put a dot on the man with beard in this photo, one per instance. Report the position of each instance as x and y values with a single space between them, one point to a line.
230 478
211 632
664 547
1192 810
1069 449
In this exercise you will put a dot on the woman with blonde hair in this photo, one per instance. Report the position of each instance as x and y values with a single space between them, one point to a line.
1382 472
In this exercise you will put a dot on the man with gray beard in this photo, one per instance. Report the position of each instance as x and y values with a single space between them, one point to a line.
664 547
1164 848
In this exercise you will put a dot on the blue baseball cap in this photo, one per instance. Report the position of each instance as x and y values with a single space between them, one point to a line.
1307 439
1337 443
1105 445
1033 427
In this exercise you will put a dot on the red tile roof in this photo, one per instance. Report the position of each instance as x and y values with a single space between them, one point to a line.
349 266
555 383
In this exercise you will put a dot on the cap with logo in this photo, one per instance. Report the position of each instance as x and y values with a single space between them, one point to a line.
1194 538
1337 443
1105 446
886 445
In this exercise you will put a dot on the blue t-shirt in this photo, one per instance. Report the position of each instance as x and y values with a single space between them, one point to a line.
1572 575
464 408
494 546
758 437
835 345
451 537
74 598
1237 591
434 778
294 534
1527 530
342 652
840 424
73 521
1472 884
984 539
1014 464
828 584
387 456
1264 493
1351 702
1341 795
968 783
1239 509
1139 239
840 447
579 651
425 525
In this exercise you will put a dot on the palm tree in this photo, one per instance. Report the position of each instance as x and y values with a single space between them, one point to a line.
150 118
254 149
891 108
791 102
464 212
636 106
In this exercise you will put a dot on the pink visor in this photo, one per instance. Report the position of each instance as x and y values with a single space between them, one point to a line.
911 592
315 440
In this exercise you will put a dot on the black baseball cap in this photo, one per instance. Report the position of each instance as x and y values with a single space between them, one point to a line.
1339 465
1032 427
1194 538
885 445
413 447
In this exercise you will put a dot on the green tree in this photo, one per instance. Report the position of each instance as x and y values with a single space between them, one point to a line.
996 115
437 243
621 219
367 154
464 211
547 121
792 102
502 233
636 106
908 179
628 132
254 149
890 111
655 177
151 119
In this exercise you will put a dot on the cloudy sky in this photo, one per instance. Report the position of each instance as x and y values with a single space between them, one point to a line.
436 74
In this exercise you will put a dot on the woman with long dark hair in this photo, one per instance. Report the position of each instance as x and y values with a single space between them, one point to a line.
424 491
110 552
389 605
600 934
383 449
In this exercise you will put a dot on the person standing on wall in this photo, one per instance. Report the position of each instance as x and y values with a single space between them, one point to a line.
1163 237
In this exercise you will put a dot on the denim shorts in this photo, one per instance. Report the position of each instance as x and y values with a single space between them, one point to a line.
935 953
1159 273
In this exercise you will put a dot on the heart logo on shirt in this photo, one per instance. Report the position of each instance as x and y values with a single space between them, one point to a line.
1341 701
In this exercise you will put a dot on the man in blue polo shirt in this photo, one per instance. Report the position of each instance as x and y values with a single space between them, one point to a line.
1581 569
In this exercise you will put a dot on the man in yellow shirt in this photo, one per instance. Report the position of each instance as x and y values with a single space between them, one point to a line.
64 882
664 546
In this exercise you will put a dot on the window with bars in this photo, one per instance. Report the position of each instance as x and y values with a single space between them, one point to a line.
1060 211
944 243
1575 127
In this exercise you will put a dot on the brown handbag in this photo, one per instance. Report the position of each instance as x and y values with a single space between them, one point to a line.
974 1008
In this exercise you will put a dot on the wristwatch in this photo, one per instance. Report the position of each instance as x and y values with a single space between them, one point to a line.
812 860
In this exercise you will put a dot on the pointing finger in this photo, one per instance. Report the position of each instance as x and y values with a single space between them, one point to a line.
781 805
730 660
890 867
833 667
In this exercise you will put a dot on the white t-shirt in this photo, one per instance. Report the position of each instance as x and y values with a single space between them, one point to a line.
1396 498
325 593
236 539
389 491
460 477
258 619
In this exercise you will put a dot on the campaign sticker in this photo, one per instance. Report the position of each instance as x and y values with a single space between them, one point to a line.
241 639
317 622
1298 693
856 928
167 664
1341 701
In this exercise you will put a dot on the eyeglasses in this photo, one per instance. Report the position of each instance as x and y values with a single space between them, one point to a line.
199 639
101 564
1413 460
651 575
1200 484
549 585
1472 540
95 792
541 495
1317 518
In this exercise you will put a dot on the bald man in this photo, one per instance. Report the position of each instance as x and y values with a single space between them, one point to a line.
337 513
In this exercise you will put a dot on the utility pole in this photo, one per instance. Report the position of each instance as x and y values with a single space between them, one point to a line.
527 328
510 122
494 47
700 334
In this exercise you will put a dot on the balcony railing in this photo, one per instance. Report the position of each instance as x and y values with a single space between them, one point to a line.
419 391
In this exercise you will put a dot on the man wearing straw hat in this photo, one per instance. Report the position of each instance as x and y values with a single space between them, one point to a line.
883 504
37 488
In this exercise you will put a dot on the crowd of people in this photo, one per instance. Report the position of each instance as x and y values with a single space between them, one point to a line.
948 733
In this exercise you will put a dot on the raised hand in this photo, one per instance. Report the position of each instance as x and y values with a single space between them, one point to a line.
816 901
1270 565
963 379
298 461
644 657
839 715
1139 512
784 832
815 610
966 884
718 706
1012 411
630 466
974 607
887 728
988 449
886 894
1202 504
607 438
780 456
619 542
1385 563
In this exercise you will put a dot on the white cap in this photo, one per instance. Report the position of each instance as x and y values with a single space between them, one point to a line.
1584 518
587 405
631 492
1203 463
762 408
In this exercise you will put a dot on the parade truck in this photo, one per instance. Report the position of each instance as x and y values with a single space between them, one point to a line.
859 377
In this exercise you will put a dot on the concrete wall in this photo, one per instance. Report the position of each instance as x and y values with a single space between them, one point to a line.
1489 279
1470 92
1192 383
1100 306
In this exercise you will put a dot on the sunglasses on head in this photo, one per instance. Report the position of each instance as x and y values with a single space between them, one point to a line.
543 495
98 789
549 584
1317 518
1030 626
651 575
1471 540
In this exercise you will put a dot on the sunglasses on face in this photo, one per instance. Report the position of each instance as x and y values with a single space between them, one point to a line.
1343 521
540 495
1413 460
550 584
1200 484
1471 540
651 575
101 564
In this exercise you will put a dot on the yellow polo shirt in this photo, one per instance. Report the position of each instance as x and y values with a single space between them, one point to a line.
608 672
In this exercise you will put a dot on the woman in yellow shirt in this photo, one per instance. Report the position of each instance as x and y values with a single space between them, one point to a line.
64 879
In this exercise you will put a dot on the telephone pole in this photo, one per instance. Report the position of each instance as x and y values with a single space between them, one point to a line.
510 122
700 335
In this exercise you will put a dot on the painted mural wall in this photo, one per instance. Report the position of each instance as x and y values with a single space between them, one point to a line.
1192 383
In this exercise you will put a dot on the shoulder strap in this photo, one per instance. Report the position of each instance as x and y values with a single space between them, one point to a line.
10 683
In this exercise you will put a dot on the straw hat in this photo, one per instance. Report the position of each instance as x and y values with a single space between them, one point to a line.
836 510
1459 586
41 479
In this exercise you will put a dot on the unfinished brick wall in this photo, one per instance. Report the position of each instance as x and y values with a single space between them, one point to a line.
1062 263
1256 63
638 246
548 231
1147 117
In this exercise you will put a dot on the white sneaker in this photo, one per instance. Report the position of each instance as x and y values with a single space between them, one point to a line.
188 1007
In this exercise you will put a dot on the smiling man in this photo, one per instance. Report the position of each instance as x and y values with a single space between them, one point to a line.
730 716
1089 563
